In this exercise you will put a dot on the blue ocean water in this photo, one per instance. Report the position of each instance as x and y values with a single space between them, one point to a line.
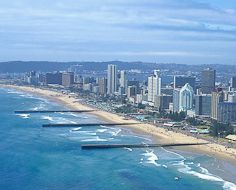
32 157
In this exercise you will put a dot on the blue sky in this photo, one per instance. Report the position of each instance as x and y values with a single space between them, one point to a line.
180 31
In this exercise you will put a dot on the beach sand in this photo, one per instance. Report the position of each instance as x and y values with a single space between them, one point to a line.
157 133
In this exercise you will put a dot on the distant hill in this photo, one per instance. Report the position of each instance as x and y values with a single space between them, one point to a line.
45 66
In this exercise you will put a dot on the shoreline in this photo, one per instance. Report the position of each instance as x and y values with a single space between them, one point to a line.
156 133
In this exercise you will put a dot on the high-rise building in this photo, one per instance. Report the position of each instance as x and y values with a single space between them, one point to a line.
216 98
132 91
102 83
226 112
176 94
53 78
123 79
180 81
68 79
208 79
186 95
183 98
154 86
111 79
162 102
203 104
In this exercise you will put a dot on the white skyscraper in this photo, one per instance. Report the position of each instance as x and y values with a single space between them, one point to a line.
154 86
111 79
186 95
183 98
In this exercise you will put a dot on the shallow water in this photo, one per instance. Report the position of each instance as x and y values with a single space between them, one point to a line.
33 157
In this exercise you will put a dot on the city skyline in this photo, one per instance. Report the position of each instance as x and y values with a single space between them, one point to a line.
189 32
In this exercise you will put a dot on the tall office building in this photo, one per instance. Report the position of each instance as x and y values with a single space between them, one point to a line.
102 84
111 79
132 91
203 104
180 81
154 86
176 93
123 79
68 79
162 102
226 112
216 98
53 78
208 79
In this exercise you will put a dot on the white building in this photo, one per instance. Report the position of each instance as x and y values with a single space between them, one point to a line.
186 98
154 86
183 98
111 79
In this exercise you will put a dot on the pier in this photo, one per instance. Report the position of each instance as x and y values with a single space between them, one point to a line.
51 111
85 124
110 146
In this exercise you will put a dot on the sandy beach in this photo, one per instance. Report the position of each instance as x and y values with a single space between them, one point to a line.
158 134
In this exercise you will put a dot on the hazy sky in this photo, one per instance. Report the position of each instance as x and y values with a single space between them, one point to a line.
180 31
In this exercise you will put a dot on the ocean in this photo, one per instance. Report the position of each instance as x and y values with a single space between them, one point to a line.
32 157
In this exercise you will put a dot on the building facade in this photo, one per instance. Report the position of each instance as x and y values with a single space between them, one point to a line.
216 98
111 79
102 84
123 80
53 78
203 104
226 112
154 86
208 78
186 96
68 79
162 102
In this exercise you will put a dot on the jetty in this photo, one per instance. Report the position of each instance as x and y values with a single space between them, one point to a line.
85 124
51 111
110 146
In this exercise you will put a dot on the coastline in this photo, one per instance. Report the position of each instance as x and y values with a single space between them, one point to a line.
157 133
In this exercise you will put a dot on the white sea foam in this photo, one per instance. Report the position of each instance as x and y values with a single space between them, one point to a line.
204 174
185 167
39 107
73 114
14 92
58 120
129 149
47 118
164 166
96 139
75 129
24 116
88 133
114 132
151 157
111 130
26 95
101 130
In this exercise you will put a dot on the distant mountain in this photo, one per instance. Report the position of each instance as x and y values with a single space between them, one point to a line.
45 66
